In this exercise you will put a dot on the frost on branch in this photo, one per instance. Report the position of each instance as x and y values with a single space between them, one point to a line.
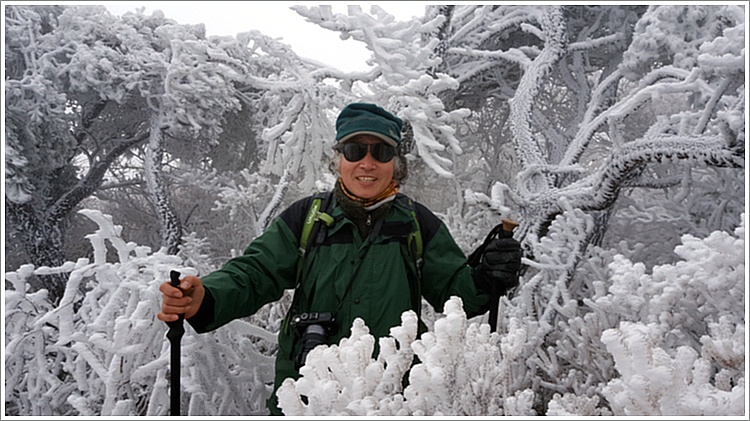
653 382
344 379
695 305
680 347
460 372
572 405
704 287
460 369
101 350
682 35
402 79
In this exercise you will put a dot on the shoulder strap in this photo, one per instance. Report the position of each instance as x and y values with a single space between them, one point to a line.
414 245
309 222
310 228
314 215
414 239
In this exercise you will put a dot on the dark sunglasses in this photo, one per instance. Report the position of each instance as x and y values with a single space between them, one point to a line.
354 152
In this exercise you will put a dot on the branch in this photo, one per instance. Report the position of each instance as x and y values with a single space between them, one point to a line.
599 191
526 146
646 151
121 185
93 179
655 183
712 104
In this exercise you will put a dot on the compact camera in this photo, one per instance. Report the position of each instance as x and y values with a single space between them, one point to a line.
314 329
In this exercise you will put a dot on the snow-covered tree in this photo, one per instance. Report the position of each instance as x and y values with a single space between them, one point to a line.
88 95
84 88
573 82
108 355
51 119
400 79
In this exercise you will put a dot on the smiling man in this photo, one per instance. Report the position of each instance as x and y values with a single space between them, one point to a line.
363 250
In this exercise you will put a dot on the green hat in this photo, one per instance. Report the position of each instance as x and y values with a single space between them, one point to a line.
361 118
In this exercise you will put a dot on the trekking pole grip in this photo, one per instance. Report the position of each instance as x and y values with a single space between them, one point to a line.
508 226
174 280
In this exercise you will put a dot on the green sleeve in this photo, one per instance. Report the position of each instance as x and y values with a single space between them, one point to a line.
445 273
259 276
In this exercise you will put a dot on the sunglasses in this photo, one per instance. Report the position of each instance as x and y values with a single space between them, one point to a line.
354 152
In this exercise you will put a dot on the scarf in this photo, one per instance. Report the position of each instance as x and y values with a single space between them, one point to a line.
354 208
369 204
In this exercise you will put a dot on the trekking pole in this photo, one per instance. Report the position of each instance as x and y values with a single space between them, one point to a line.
176 330
508 225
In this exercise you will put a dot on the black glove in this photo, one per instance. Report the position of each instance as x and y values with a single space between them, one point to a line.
497 271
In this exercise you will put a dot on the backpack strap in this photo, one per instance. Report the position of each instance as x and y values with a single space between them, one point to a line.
310 229
415 247
314 215
414 240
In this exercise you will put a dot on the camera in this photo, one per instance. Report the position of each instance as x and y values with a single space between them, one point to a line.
314 329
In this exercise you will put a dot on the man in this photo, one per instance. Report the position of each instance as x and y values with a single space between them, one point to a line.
363 264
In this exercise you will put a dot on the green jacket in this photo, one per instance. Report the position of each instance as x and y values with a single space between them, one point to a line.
374 279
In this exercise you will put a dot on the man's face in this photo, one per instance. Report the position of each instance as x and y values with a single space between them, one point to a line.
367 177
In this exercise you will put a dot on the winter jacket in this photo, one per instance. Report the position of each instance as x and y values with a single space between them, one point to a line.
372 278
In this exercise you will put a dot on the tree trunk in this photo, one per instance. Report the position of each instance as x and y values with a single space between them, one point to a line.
171 226
42 227
42 239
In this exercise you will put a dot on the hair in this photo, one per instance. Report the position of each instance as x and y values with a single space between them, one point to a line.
400 169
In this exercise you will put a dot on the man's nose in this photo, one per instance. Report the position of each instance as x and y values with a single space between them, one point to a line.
368 161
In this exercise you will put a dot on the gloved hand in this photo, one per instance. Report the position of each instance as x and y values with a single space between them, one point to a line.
499 265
